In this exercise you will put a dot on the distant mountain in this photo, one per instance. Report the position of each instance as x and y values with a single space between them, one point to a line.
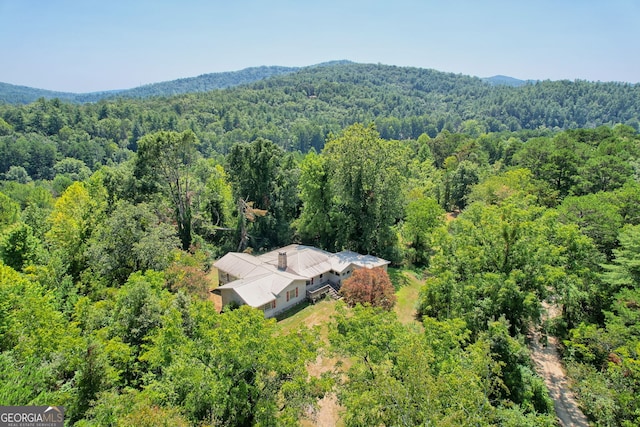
500 80
12 94
207 82
298 110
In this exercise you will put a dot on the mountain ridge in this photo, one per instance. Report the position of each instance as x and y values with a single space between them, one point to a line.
19 94
502 80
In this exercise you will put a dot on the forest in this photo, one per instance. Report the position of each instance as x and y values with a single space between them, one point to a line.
501 200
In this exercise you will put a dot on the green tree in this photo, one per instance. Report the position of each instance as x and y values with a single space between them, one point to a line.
9 211
137 313
262 174
74 169
17 174
213 198
553 160
314 223
603 359
233 368
367 177
464 178
496 188
19 247
71 224
168 157
602 173
493 261
423 215
624 271
131 238
399 376
369 286
598 217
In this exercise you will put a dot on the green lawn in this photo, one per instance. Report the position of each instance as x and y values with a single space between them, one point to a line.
310 315
407 290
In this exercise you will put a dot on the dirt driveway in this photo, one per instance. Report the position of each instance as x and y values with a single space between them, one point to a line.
549 367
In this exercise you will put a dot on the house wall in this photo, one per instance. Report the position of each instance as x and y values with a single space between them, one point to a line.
334 277
224 277
320 279
228 296
346 273
281 301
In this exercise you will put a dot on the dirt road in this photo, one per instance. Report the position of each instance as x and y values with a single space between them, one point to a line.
549 367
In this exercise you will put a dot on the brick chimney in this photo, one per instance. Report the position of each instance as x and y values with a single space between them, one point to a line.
282 261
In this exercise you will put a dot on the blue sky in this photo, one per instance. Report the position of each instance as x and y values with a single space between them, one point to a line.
93 45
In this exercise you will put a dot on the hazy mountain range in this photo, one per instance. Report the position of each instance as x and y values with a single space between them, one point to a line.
15 94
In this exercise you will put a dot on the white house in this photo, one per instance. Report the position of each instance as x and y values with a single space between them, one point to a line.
280 279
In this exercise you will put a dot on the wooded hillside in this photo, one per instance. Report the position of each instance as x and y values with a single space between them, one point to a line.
499 198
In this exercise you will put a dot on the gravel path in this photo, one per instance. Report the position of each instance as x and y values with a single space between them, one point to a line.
549 367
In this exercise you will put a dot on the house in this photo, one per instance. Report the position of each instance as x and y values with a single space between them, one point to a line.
280 279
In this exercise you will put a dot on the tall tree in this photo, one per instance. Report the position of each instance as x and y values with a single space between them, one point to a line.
9 211
423 215
234 368
367 176
71 224
266 178
131 239
500 260
314 223
168 157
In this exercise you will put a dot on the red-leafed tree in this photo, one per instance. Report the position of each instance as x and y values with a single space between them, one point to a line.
369 287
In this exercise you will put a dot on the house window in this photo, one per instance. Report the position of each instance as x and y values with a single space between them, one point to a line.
321 275
267 306
292 294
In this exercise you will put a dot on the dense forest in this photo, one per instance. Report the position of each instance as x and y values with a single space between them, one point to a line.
502 200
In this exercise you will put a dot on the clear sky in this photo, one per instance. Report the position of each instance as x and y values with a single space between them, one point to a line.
94 45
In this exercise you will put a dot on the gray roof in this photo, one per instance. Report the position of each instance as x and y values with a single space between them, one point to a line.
304 261
251 291
344 259
237 264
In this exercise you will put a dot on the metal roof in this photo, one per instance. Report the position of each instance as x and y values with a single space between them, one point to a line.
303 261
344 259
251 290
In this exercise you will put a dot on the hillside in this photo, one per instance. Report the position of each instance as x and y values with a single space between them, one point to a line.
13 94
297 111
505 80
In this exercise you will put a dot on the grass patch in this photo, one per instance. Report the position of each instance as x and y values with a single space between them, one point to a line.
398 278
407 297
293 310
309 315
